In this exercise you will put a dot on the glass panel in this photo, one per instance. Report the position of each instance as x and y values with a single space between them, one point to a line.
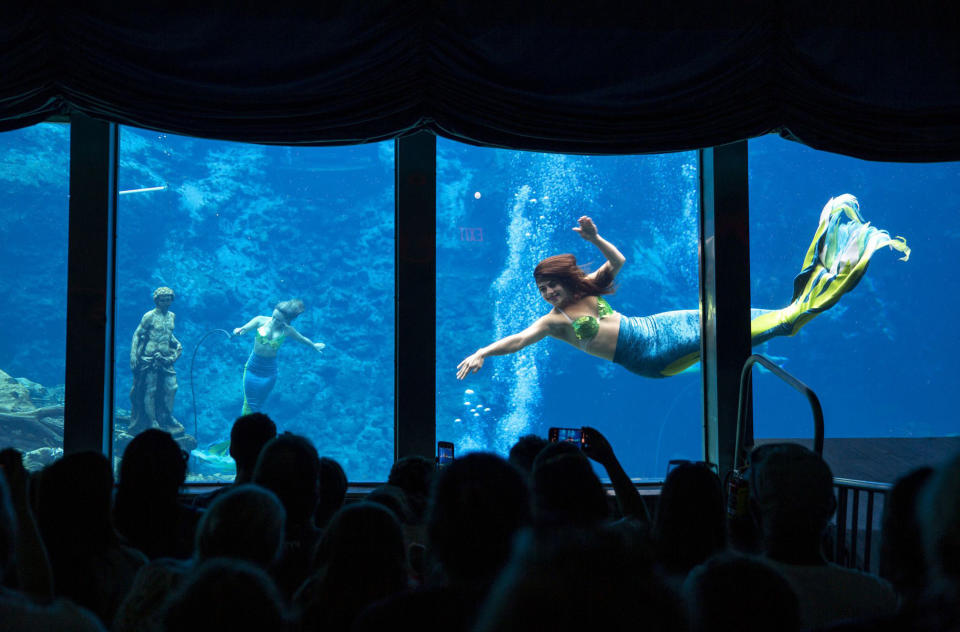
35 175
881 359
234 229
499 213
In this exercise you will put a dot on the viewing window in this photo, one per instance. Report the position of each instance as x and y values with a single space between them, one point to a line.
234 229
880 359
35 173
499 213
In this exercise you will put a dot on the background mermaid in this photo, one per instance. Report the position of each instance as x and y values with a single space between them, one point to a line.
260 372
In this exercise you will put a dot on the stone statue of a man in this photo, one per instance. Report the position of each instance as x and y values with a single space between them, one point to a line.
152 354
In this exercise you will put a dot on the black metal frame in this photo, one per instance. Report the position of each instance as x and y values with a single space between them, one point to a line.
725 290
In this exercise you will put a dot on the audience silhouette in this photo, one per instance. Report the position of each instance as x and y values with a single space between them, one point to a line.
147 510
89 564
480 545
792 499
289 466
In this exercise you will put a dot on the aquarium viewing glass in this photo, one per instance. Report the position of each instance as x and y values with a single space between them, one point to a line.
881 359
35 173
233 229
500 212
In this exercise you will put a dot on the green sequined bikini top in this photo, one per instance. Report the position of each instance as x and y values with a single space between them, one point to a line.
586 327
272 343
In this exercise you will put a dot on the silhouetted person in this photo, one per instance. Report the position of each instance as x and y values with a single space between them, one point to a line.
525 450
18 612
289 466
247 437
226 595
333 491
738 593
89 564
791 497
360 559
414 474
245 523
902 561
566 491
476 506
393 499
690 524
939 512
580 579
147 511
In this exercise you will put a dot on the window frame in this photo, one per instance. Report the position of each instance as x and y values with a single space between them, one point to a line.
724 290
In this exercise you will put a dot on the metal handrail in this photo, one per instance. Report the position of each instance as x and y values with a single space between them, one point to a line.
745 375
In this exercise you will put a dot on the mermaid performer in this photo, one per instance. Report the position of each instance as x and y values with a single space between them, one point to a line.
665 344
260 371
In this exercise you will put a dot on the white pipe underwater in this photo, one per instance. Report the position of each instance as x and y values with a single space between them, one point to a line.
161 188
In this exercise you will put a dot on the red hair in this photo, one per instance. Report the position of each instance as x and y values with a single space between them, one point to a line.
564 269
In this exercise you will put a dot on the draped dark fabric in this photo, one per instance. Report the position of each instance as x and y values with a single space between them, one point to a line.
877 80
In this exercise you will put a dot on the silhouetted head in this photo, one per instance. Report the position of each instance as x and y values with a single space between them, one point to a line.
247 437
246 523
73 508
225 594
579 579
564 270
566 491
476 506
413 474
289 466
363 544
153 466
525 450
791 492
902 561
392 498
690 524
939 516
333 491
736 592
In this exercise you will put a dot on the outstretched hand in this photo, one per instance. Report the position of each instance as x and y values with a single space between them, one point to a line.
319 346
587 229
470 364
597 447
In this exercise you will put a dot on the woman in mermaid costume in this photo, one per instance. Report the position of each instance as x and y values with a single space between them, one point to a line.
260 371
665 344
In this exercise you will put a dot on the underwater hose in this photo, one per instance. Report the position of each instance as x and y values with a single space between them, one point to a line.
193 391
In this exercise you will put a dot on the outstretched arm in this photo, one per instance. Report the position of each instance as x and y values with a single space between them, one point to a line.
614 258
255 322
510 344
628 498
296 335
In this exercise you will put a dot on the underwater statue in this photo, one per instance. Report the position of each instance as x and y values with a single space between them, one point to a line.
152 353
665 344
260 371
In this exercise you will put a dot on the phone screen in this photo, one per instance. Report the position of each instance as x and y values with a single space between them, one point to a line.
568 435
444 454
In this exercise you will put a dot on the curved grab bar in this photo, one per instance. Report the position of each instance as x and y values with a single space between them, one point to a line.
792 381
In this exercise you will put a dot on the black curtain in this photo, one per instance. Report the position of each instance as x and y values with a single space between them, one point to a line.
876 80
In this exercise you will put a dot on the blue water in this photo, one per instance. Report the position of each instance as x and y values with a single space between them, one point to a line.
236 228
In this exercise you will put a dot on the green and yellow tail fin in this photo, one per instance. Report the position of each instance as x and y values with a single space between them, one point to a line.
835 262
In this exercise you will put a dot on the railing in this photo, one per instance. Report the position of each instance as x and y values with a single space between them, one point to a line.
851 546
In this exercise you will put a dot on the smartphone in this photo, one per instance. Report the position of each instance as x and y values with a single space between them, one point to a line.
444 454
575 436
